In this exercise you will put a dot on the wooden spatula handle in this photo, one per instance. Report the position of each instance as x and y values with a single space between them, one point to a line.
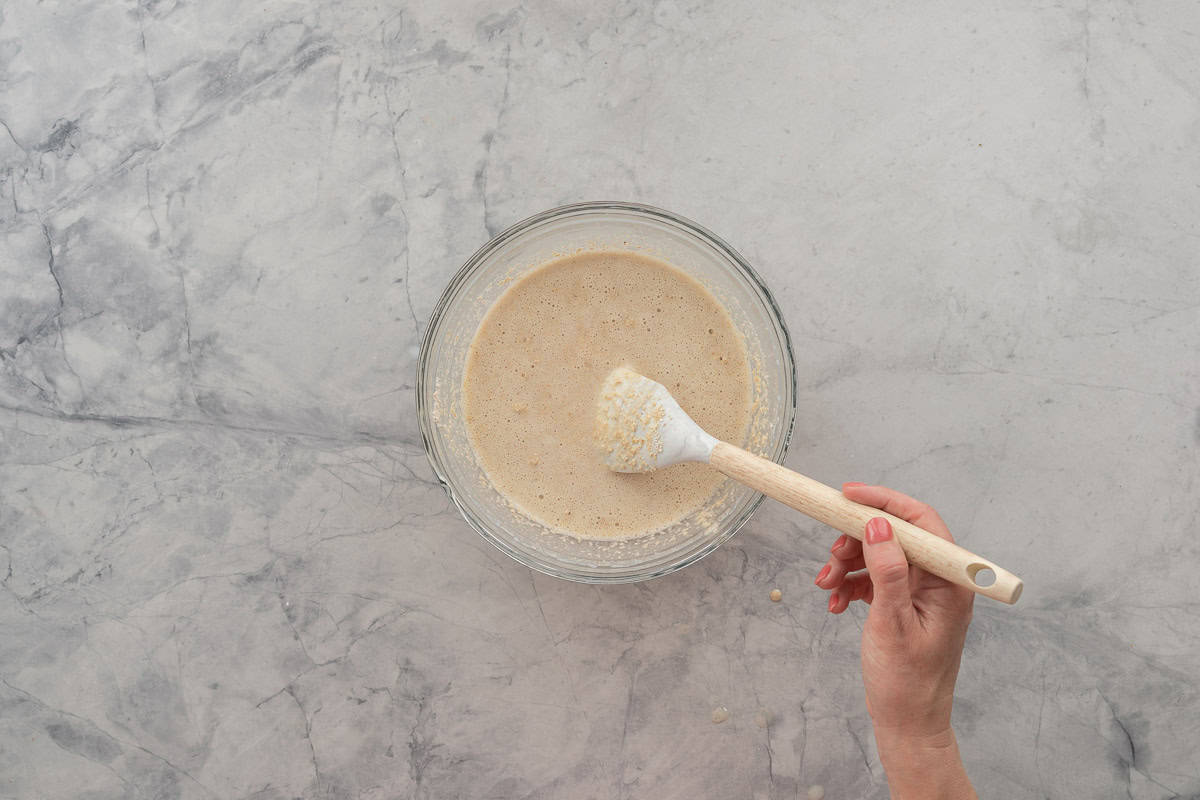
826 504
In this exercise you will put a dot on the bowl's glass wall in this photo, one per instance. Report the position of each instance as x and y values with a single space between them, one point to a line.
507 258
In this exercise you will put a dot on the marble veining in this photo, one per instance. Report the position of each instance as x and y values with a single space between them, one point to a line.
227 569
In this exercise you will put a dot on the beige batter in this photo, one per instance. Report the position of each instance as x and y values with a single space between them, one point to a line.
534 372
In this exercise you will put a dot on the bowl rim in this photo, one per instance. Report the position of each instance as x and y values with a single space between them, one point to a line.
450 294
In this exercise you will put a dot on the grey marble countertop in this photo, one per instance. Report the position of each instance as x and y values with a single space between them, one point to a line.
227 568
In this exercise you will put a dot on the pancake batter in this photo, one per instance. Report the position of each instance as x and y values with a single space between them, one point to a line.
534 372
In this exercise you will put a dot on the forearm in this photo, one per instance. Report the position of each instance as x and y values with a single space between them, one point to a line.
925 768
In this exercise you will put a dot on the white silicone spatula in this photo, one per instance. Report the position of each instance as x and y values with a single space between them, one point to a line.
640 427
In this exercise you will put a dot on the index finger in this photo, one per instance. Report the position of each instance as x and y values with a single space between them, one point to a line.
900 505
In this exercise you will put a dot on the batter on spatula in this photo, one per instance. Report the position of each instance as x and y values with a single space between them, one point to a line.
536 366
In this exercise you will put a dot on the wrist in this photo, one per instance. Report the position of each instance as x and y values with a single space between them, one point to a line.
916 742
924 765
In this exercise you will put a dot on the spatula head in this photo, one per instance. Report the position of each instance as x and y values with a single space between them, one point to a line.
640 427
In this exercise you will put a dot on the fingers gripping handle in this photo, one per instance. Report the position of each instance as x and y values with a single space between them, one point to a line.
826 504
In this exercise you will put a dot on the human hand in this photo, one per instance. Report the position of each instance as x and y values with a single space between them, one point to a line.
913 637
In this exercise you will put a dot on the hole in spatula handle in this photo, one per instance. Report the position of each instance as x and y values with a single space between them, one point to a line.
982 575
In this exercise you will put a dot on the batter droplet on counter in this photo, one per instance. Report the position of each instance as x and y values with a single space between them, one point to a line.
776 595
720 714
534 372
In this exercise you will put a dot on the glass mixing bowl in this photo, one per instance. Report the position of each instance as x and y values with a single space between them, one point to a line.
524 247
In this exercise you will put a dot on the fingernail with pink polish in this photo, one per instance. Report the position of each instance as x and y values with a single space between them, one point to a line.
833 601
841 540
878 530
824 573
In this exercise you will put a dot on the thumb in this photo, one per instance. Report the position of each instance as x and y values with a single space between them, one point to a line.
888 569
